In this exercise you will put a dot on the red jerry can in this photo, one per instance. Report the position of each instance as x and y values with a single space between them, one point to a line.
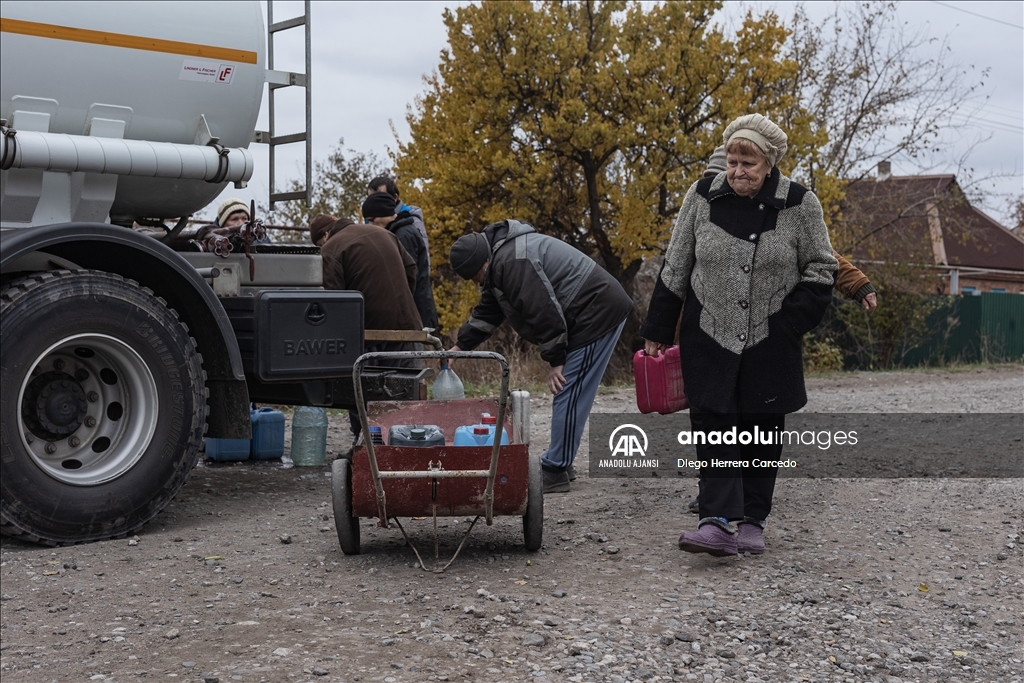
659 382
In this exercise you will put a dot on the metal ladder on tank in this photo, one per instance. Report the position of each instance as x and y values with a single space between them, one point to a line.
285 79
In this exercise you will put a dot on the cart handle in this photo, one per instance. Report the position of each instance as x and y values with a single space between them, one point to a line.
364 422
434 474
417 336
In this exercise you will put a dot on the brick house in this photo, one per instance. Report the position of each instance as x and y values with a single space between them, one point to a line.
927 221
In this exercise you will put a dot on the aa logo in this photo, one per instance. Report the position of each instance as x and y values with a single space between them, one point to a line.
628 441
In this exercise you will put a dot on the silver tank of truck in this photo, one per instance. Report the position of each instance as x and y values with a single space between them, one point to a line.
178 75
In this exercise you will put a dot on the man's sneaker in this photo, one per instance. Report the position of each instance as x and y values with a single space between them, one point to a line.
693 507
750 539
711 539
571 471
556 482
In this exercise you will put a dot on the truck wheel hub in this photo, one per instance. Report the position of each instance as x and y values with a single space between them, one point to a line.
93 430
55 404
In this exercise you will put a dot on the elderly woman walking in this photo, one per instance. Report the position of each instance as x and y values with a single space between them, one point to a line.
750 267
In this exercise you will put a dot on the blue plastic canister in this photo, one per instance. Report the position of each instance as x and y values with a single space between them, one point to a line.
227 450
481 434
267 434
415 435
376 436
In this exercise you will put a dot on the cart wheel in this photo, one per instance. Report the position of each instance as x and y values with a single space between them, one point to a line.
341 492
533 520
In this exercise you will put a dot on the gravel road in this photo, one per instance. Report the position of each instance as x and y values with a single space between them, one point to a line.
241 579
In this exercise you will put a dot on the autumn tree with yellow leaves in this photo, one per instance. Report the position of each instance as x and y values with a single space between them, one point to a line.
588 120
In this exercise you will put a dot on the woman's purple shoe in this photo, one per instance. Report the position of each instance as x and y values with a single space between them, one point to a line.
709 538
750 539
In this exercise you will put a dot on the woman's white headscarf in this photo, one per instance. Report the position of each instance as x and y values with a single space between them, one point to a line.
768 137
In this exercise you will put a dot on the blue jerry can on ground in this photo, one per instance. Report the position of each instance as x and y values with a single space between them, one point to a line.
228 450
267 442
267 434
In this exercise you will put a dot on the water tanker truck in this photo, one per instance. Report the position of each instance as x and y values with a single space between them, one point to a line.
123 350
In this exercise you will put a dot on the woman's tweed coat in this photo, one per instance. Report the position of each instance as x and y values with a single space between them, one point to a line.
751 277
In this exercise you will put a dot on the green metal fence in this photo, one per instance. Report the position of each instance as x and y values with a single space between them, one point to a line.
984 328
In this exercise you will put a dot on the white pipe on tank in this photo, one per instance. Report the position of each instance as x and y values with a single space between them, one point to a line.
84 153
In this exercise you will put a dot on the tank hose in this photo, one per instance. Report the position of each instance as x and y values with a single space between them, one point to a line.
176 230
10 148
223 164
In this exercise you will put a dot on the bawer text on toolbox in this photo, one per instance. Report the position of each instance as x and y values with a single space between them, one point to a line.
314 347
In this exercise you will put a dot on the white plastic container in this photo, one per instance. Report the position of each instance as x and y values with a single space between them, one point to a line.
447 386
309 436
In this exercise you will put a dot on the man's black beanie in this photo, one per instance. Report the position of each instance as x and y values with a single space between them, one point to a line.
379 205
469 254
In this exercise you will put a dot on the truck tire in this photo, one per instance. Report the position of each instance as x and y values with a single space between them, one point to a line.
103 406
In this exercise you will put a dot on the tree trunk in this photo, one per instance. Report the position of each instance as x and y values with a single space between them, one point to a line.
612 263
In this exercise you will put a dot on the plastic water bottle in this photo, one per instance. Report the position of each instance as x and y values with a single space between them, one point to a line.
447 386
309 436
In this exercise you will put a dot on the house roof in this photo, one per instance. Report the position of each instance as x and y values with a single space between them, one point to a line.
925 219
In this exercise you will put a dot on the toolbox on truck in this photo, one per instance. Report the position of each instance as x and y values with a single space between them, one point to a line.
286 335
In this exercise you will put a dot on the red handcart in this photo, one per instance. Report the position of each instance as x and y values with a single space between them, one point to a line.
389 482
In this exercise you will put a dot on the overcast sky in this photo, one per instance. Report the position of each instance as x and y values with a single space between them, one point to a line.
369 59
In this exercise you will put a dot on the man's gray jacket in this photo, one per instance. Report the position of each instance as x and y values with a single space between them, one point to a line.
553 295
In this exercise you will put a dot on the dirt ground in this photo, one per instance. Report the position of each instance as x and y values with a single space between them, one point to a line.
241 578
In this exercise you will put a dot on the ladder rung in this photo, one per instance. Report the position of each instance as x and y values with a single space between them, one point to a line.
287 196
263 136
288 139
299 81
287 24
283 79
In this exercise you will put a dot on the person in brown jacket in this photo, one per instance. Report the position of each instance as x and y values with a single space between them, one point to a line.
853 284
368 258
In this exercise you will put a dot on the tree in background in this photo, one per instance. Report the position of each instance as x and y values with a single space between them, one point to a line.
588 119
339 188
591 119
1017 216
875 92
